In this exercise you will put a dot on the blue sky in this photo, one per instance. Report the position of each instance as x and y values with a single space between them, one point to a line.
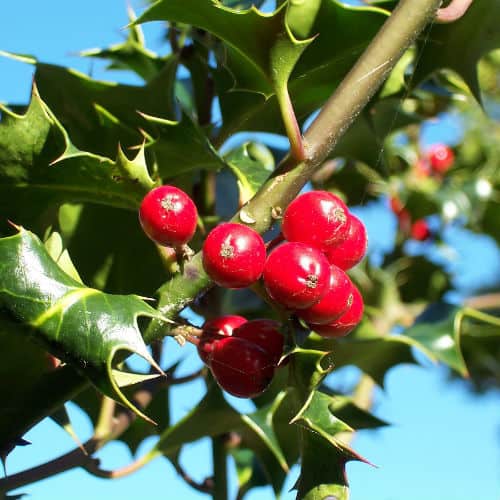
444 443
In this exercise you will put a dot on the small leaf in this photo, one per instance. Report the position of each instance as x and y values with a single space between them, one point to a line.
131 54
260 50
82 326
252 164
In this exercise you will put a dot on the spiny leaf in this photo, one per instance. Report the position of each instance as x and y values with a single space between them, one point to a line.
180 147
321 479
308 369
39 163
110 263
345 409
213 416
75 99
460 45
320 68
367 349
82 326
259 435
260 50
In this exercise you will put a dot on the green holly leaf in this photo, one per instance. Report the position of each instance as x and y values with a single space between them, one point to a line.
314 76
345 409
214 416
440 340
317 415
38 162
459 45
132 54
180 146
40 296
375 354
251 163
78 102
110 263
260 49
319 478
259 435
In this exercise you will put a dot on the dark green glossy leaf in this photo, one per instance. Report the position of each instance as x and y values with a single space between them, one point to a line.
213 416
39 163
100 115
180 147
346 410
82 326
459 45
320 68
110 262
260 50
317 416
321 479
367 349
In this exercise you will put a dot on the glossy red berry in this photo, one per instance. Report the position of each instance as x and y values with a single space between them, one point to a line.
441 157
422 167
420 230
318 218
241 367
168 216
214 330
296 275
353 249
265 333
336 301
345 323
234 255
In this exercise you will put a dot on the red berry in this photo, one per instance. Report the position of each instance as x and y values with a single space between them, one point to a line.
441 157
318 218
215 330
265 333
168 216
353 249
347 322
296 275
234 255
241 367
420 230
336 301
396 204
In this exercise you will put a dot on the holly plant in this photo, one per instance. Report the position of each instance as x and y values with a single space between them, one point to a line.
150 220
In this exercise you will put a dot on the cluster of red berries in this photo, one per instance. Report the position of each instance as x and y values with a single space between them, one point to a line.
304 273
242 355
419 229
437 160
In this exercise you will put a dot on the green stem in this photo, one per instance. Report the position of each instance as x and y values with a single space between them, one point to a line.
291 125
219 458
